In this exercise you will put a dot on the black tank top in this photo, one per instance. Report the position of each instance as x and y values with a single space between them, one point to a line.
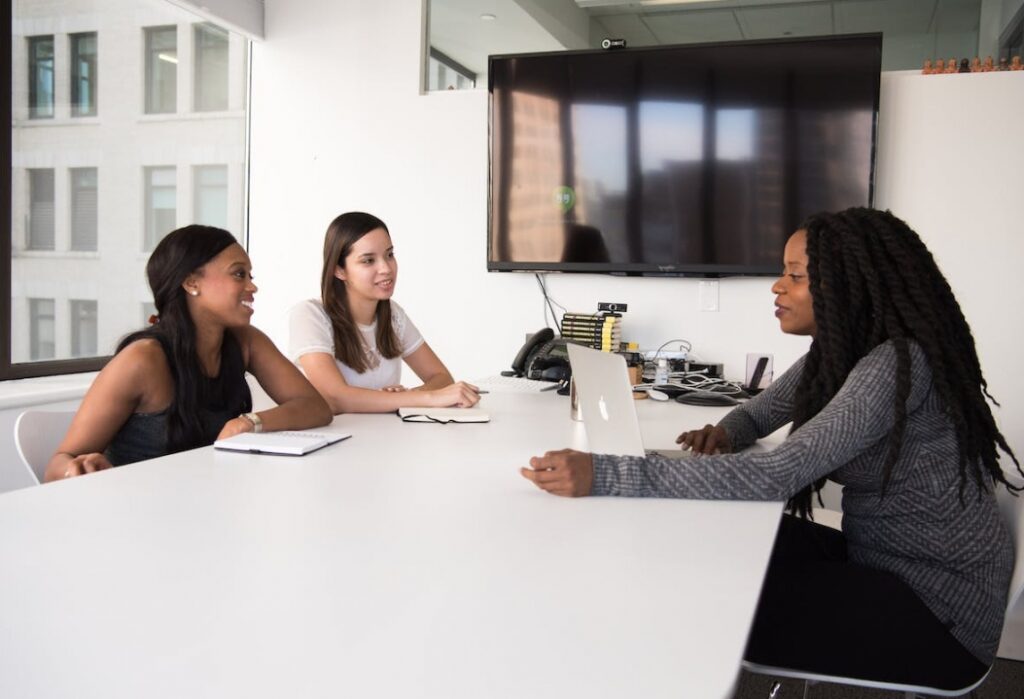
144 435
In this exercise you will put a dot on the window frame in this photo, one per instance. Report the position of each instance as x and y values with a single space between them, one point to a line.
33 327
151 237
30 239
149 91
74 241
75 77
57 367
20 370
79 310
452 65
199 188
199 57
33 93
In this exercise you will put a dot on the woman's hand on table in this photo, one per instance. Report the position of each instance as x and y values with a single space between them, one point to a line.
86 463
710 439
457 395
565 472
236 425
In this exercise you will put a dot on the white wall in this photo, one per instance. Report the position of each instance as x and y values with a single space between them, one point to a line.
366 139
338 124
949 163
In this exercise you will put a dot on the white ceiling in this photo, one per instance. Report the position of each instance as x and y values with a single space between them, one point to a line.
457 30
729 20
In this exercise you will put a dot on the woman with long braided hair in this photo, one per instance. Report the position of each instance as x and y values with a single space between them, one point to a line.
889 402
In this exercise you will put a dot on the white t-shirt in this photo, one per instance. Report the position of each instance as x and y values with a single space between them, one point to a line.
310 331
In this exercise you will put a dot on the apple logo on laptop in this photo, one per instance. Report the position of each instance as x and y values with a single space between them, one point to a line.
603 408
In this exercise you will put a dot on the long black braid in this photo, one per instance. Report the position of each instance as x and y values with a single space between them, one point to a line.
872 280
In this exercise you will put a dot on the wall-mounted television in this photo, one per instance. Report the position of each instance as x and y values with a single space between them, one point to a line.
694 160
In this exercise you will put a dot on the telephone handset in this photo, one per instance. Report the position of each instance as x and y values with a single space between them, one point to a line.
542 358
523 357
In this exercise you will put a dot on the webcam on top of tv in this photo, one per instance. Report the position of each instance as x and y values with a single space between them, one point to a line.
607 43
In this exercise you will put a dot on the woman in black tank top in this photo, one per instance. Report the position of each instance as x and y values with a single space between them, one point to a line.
180 383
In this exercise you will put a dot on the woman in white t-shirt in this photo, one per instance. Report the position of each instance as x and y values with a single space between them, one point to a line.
351 342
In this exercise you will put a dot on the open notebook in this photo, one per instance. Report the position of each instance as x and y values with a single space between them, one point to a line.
443 415
285 443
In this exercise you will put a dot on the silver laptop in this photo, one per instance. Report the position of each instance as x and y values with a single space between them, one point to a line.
606 402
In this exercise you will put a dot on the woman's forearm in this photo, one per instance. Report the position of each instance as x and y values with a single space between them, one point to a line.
438 380
296 414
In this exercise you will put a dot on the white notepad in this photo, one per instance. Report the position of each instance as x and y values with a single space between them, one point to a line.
286 443
443 415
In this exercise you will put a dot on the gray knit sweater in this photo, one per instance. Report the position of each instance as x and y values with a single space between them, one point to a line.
956 557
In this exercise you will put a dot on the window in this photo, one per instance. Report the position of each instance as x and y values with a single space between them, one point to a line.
40 77
42 343
83 328
83 74
444 73
83 208
211 68
40 210
89 194
211 195
161 204
162 70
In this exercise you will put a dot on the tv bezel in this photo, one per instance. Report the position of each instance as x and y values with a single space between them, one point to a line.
645 269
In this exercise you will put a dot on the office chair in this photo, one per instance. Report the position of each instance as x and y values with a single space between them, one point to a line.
36 436
1012 511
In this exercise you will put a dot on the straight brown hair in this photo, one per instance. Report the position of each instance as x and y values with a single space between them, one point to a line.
349 347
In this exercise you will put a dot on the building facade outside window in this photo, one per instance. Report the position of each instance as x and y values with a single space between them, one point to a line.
84 316
41 223
40 77
161 70
84 78
211 68
84 215
133 170
42 341
161 204
211 195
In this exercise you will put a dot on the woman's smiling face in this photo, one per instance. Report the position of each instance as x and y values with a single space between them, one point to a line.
223 288
370 269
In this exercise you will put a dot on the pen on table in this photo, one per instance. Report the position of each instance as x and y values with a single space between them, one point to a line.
481 391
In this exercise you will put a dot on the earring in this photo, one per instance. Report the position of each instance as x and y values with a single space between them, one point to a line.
194 292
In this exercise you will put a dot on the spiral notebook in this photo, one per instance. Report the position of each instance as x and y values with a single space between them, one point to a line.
282 443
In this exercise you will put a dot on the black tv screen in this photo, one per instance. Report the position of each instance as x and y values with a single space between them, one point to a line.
688 160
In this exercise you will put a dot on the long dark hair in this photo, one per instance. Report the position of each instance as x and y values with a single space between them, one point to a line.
180 254
349 347
872 280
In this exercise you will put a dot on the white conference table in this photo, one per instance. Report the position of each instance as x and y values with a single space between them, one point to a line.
411 560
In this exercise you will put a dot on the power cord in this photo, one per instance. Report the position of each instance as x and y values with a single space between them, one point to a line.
549 303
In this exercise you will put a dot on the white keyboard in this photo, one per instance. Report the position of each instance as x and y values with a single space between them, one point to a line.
512 384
